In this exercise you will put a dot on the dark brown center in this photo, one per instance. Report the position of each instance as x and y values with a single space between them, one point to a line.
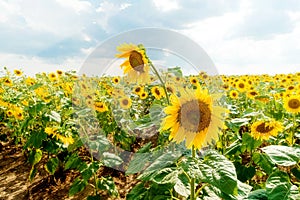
262 128
294 103
194 116
136 61
125 102
157 91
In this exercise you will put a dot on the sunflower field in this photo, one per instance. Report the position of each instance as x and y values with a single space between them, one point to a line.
179 136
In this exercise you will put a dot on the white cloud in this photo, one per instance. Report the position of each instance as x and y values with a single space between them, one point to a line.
245 55
77 5
166 5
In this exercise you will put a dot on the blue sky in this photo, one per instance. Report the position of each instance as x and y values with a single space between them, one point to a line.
240 36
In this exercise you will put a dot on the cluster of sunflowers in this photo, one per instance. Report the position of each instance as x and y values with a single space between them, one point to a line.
197 110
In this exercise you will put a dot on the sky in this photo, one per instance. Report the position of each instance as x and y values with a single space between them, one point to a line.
239 36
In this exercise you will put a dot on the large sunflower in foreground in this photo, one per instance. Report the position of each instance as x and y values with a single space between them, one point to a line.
292 104
193 117
262 130
136 65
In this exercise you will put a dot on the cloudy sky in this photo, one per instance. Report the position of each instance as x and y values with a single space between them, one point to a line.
240 36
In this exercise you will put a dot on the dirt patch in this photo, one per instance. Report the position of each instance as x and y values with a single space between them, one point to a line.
14 183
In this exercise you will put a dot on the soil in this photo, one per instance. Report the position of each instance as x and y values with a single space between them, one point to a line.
15 185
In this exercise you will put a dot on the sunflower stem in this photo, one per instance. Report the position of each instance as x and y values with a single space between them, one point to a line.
193 179
294 129
160 79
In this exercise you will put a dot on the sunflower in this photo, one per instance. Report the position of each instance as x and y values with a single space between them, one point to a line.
125 102
292 104
18 72
52 77
143 95
138 89
136 65
59 72
29 81
233 94
193 117
10 113
8 82
116 80
157 92
241 86
262 130
170 88
65 140
19 114
100 106
50 130
194 80
251 94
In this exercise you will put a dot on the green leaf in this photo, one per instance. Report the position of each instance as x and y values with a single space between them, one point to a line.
182 185
176 71
278 186
138 163
77 186
165 176
249 142
52 165
107 184
218 171
91 169
156 113
111 160
240 121
73 162
166 159
145 148
243 190
32 173
234 148
35 156
244 173
92 197
262 160
283 155
294 193
35 139
296 172
54 116
191 167
260 194
137 193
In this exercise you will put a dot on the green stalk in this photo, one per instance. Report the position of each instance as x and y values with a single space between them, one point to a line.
156 73
160 79
294 129
193 179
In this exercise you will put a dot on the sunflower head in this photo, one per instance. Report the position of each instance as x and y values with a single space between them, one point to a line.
125 102
8 82
263 130
59 72
138 89
116 80
52 76
100 107
157 92
234 94
192 117
18 72
292 104
136 65
143 95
